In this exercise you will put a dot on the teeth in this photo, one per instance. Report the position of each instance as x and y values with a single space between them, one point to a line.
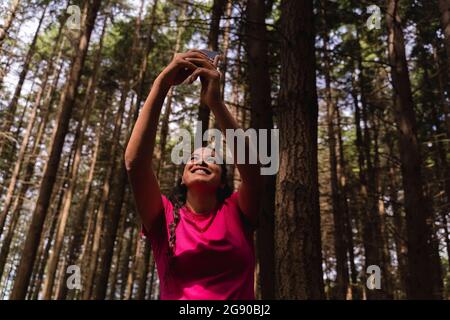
201 171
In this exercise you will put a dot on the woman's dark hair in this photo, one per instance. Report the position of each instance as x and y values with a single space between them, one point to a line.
178 199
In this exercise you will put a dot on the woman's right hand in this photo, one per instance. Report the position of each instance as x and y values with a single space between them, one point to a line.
179 69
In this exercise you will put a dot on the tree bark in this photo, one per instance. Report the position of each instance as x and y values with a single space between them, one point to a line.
342 278
298 257
87 104
213 39
144 267
113 207
11 110
19 161
444 8
342 176
67 102
419 232
74 246
261 118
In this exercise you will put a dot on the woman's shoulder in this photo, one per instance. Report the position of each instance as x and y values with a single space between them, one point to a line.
232 204
233 197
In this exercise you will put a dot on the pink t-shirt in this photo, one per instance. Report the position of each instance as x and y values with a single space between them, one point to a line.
214 254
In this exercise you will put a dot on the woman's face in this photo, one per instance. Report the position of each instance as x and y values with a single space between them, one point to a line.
201 170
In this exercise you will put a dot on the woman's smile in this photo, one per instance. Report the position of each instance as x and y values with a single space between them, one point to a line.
201 170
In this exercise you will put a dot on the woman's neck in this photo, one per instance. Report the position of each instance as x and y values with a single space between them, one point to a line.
201 202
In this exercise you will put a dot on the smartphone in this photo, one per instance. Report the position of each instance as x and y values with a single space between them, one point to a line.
210 54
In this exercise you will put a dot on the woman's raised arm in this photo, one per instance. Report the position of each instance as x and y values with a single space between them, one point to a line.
139 151
250 187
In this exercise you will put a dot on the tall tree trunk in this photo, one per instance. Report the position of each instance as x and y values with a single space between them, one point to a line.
87 246
383 236
441 170
67 102
342 176
444 8
261 118
169 99
106 190
368 204
213 39
226 44
26 182
342 278
125 264
115 267
113 207
19 161
14 219
399 238
11 110
144 266
298 257
74 246
137 243
418 230
46 242
87 104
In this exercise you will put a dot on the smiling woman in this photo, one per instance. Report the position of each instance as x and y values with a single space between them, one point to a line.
202 234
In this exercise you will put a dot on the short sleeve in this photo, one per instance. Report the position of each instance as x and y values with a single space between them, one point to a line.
234 200
159 231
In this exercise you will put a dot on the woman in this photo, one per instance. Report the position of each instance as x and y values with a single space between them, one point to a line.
202 237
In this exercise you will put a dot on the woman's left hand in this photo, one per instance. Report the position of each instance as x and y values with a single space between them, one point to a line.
210 78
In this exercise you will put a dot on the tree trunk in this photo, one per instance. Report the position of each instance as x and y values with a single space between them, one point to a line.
137 243
27 176
261 118
419 232
368 204
444 8
19 161
342 278
213 39
442 171
11 110
87 104
46 242
106 190
115 267
67 102
74 246
113 207
144 266
298 257
342 176
399 238
125 264
226 45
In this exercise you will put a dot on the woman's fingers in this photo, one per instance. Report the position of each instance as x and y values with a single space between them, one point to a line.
202 62
216 60
193 54
198 51
187 64
207 73
198 72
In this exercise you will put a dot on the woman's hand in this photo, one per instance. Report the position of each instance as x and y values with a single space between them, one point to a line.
210 78
179 68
